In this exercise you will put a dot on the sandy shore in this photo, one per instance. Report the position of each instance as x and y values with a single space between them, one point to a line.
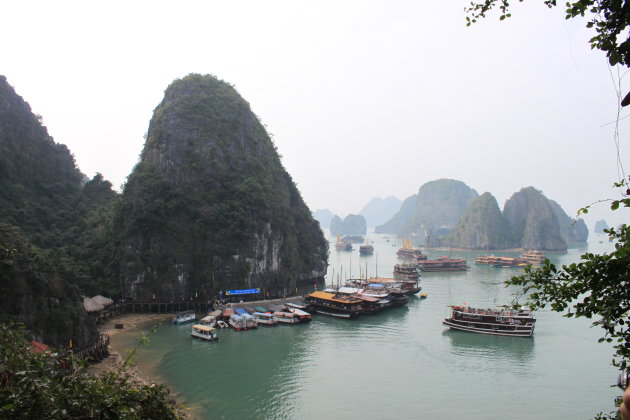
131 323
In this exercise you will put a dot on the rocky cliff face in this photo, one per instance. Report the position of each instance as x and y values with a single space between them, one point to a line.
352 224
571 230
401 219
43 228
481 227
532 221
209 206
439 207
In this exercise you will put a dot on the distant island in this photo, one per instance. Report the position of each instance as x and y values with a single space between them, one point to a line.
352 224
448 213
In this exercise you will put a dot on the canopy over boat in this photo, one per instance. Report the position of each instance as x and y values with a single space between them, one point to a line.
241 311
261 309
205 328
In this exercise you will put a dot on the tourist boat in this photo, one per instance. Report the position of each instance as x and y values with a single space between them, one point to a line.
509 262
341 245
291 305
510 322
250 323
408 251
267 319
353 239
184 317
534 257
205 332
407 287
406 272
366 249
209 321
237 322
423 295
333 304
300 315
222 324
443 264
287 318
262 309
485 259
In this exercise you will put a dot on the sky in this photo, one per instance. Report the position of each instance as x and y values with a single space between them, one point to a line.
362 98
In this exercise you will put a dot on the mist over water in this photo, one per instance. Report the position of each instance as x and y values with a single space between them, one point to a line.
399 364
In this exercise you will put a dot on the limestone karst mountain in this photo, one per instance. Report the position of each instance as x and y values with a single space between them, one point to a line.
532 221
51 228
481 227
352 224
380 210
400 219
210 206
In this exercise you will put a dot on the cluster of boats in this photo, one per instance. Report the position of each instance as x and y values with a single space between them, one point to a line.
241 319
345 244
362 296
526 259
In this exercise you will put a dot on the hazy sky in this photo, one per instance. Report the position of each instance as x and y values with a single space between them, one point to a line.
363 98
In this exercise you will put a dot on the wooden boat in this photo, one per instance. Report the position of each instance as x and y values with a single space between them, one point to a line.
443 264
485 259
509 262
366 249
342 245
287 318
184 317
409 252
333 304
509 322
300 315
204 332
237 322
353 239
265 319
406 272
209 321
534 257
222 324
250 323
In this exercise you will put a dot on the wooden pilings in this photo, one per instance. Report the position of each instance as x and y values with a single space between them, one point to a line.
162 307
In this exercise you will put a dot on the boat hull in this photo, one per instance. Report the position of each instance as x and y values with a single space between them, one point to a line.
490 329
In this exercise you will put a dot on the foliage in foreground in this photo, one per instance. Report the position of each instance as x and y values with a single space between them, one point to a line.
34 386
609 18
596 287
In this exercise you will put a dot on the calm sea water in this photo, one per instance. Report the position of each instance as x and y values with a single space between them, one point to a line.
402 364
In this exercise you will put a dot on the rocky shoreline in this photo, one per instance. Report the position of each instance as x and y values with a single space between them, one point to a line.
132 323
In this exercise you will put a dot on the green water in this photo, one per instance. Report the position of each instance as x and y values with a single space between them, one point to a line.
402 364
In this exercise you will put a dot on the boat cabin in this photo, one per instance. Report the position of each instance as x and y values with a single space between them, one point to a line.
204 332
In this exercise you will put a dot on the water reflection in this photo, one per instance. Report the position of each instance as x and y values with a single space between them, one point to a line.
516 353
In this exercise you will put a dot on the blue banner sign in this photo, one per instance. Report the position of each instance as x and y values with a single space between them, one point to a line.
241 292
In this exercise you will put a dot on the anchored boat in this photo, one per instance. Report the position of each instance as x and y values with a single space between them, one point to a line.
509 322
204 332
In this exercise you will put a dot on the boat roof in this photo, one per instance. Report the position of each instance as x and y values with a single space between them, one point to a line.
228 312
237 317
299 312
365 298
285 314
349 290
207 318
241 311
329 296
265 314
261 309
203 327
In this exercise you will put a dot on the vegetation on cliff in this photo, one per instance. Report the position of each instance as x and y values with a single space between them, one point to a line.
481 227
532 221
55 231
209 173
440 205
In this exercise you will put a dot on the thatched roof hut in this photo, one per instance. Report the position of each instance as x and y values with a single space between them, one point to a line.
96 304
